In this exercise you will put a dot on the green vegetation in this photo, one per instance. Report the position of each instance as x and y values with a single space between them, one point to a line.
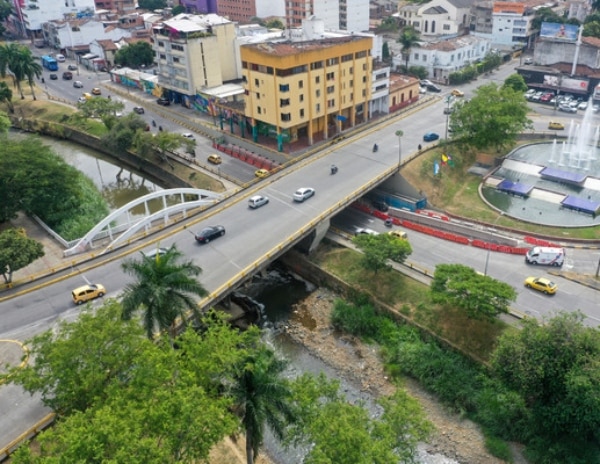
17 251
19 62
541 391
480 296
409 38
135 55
493 118
163 290
379 249
123 397
35 180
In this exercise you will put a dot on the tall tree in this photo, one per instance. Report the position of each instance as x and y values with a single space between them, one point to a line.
482 297
163 290
555 366
136 55
516 82
30 68
17 251
494 117
343 433
378 249
262 396
10 56
409 37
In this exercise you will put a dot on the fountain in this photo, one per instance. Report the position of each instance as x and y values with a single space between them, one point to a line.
579 150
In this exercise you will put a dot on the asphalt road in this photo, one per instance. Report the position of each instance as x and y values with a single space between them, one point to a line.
252 234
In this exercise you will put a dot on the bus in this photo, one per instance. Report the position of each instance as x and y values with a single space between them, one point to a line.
49 63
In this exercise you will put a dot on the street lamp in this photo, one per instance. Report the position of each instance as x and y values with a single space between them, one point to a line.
448 101
399 134
487 257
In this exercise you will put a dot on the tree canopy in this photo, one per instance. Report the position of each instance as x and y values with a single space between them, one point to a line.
128 399
555 366
516 82
343 433
136 55
482 297
378 249
494 117
163 289
17 251
409 37
152 4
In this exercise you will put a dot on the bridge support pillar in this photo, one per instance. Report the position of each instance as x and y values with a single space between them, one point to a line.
310 243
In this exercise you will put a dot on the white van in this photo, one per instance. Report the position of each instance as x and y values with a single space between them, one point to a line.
546 255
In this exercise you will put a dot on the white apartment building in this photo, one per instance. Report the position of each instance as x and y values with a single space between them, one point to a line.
511 25
77 34
445 57
194 52
29 15
354 15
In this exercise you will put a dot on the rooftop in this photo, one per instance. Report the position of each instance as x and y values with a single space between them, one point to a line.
292 48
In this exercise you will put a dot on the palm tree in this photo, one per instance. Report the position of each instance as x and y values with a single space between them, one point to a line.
262 396
6 96
31 68
408 38
163 290
11 56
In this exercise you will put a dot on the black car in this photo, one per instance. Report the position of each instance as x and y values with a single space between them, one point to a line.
433 88
163 101
381 206
138 109
53 76
209 233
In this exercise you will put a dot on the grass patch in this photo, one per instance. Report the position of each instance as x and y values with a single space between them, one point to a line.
456 191
412 299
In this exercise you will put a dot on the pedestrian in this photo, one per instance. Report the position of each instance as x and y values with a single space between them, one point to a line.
420 147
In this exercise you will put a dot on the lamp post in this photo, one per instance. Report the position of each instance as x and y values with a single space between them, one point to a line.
487 257
399 134
448 101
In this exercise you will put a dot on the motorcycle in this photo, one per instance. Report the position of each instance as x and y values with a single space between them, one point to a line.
375 148
153 123
389 222
334 169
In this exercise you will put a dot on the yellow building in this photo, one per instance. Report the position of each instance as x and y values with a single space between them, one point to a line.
312 90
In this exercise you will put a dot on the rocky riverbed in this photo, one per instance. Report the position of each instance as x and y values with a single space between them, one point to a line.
454 439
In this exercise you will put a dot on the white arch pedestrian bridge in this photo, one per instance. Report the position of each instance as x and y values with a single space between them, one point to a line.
174 202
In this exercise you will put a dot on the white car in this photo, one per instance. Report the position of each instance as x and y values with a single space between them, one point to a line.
583 105
303 193
257 201
78 84
60 58
188 135
365 231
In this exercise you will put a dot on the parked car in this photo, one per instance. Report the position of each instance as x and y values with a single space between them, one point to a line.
96 91
303 193
210 233
546 97
582 106
536 96
457 93
67 75
528 60
556 125
567 109
53 76
87 292
163 101
541 284
430 137
72 67
214 159
78 84
138 110
261 173
422 89
529 92
257 201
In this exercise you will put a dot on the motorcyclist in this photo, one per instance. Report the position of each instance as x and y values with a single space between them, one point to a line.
333 169
153 123
375 148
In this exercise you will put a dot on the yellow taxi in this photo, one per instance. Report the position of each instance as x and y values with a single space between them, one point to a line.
556 125
214 159
398 234
87 95
87 292
541 284
261 173
457 93
96 91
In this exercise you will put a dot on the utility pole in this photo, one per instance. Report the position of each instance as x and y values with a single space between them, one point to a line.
399 134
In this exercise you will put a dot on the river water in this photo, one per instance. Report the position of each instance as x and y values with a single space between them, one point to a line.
277 294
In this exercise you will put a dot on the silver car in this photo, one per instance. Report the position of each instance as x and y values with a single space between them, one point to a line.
303 193
257 201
